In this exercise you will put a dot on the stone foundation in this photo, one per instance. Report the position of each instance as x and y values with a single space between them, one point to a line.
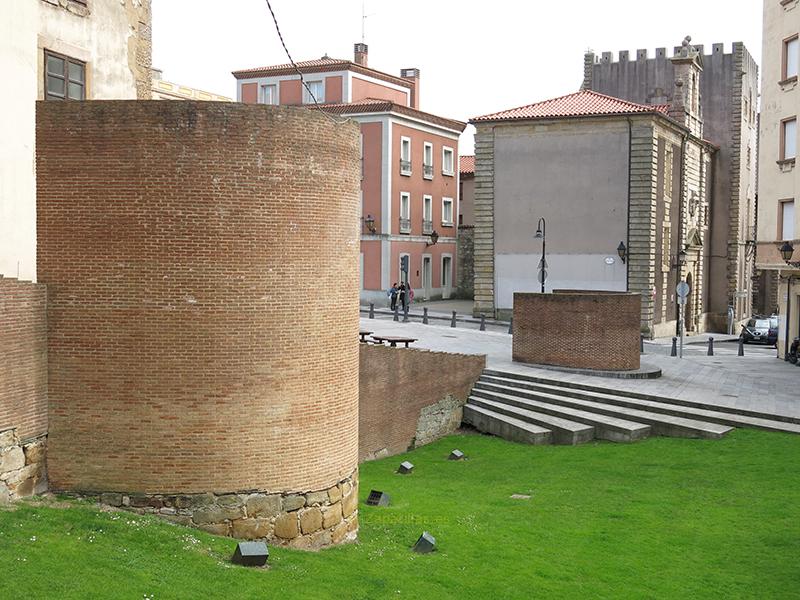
22 466
309 521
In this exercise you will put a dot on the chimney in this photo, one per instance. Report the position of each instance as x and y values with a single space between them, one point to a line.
412 75
360 54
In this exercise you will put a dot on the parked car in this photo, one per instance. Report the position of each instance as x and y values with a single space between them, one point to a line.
761 330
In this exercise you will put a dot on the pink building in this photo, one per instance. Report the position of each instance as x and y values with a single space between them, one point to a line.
410 186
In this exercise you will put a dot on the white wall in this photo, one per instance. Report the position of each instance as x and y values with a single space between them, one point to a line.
18 64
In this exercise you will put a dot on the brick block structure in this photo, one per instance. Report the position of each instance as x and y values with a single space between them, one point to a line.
408 397
23 388
585 330
185 246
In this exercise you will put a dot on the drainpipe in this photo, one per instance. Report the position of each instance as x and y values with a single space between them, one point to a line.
628 220
681 232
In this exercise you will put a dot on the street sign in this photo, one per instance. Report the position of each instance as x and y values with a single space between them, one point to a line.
404 264
682 289
542 275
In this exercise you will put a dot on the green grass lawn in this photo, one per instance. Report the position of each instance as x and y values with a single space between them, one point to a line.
663 518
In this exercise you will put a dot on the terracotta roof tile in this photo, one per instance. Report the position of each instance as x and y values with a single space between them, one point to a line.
579 104
466 164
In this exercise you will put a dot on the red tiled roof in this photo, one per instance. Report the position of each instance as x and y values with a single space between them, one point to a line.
580 104
376 105
466 164
326 63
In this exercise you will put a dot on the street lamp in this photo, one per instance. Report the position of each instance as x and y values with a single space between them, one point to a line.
622 251
540 235
369 221
786 251
434 238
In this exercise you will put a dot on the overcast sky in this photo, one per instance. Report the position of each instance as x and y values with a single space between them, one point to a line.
474 57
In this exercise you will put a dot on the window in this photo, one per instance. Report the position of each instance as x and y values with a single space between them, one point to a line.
787 220
427 215
405 156
427 161
666 259
447 212
316 88
791 54
789 139
269 94
65 78
447 161
668 160
405 212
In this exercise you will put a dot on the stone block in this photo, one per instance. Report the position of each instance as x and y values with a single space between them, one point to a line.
184 520
331 515
316 498
194 501
7 438
167 510
352 525
349 504
334 494
346 488
25 472
310 520
293 502
22 488
35 452
251 529
339 532
111 499
5 495
216 514
321 539
286 526
263 505
11 459
229 501
139 501
215 528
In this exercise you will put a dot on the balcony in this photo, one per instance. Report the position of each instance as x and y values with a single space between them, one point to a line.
427 227
405 225
405 167
427 171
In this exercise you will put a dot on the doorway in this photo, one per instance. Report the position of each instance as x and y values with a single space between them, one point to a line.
447 276
427 278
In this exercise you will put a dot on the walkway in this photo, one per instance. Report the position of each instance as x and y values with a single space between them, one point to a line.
756 381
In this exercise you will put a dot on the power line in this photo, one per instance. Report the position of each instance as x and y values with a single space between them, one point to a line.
299 72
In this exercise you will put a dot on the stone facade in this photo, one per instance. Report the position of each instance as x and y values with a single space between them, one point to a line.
727 103
466 262
603 331
187 352
483 235
304 520
23 469
409 397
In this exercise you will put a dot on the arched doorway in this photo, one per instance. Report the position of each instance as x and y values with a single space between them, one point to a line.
688 321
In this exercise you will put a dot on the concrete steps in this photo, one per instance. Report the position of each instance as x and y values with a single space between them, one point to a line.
504 426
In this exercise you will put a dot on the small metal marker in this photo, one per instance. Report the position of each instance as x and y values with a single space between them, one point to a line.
371 310
741 346
405 468
483 322
711 346
396 314
425 315
456 455
674 351
520 496
250 554
425 544
377 498
453 320
641 343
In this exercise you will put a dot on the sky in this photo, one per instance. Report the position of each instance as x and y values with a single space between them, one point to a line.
475 57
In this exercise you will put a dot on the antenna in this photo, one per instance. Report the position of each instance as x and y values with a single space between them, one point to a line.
364 16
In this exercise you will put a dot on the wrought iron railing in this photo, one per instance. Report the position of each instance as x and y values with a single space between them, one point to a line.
427 227
405 225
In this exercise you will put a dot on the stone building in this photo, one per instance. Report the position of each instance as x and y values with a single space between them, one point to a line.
727 106
409 166
778 175
167 90
465 275
624 190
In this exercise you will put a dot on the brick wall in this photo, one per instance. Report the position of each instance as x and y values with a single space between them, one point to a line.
406 393
587 330
23 358
187 247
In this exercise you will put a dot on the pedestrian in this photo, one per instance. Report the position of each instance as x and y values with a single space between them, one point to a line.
402 294
409 293
392 293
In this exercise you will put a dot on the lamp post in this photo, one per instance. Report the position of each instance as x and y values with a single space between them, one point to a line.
786 251
541 235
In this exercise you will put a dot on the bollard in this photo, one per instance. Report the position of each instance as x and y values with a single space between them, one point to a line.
674 347
641 343
741 346
425 316
405 314
483 322
396 314
453 320
511 326
711 346
371 310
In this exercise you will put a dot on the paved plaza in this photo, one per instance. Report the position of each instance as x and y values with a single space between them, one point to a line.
757 381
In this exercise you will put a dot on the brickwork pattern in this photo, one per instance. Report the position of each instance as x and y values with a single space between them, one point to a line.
186 247
483 237
398 389
584 330
23 358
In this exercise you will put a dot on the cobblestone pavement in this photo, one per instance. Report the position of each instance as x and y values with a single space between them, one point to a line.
757 381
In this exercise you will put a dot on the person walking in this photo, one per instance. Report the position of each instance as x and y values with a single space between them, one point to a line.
402 294
393 295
